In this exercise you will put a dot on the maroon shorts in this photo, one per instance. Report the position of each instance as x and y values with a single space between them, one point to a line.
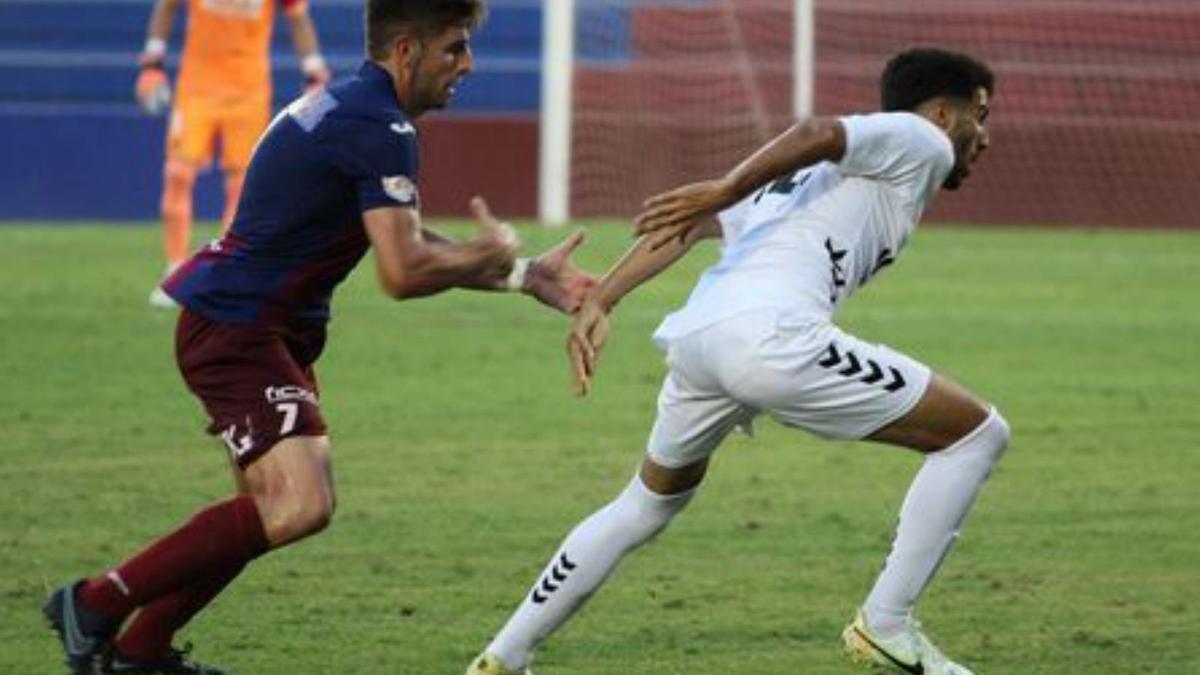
256 382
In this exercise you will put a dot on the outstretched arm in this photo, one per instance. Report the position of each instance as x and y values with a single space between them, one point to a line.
552 278
643 261
412 263
672 213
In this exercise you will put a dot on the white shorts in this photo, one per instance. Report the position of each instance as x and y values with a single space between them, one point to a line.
803 371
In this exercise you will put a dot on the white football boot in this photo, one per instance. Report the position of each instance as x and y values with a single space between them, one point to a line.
160 300
158 297
486 664
908 651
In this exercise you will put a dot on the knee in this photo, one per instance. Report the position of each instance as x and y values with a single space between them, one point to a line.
989 440
178 175
292 486
648 511
294 520
989 432
316 515
178 178
290 519
1000 430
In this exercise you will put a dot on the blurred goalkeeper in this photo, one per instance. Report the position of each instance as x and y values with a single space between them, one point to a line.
224 91
806 220
335 175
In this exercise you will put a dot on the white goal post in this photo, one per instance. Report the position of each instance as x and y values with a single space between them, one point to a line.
558 65
554 132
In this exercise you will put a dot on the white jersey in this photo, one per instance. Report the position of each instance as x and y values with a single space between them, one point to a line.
806 242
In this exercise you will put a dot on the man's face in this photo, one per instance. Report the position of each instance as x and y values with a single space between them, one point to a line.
968 133
439 63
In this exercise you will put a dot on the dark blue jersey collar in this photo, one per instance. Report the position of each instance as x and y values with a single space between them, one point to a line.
380 81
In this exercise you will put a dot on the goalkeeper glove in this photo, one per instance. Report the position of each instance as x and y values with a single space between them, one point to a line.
153 92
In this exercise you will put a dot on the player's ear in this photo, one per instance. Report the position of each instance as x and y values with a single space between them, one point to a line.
940 112
406 48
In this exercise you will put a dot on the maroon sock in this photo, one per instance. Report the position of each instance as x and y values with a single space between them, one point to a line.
217 538
148 636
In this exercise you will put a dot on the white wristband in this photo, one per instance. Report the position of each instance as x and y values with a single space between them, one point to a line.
312 64
516 278
156 48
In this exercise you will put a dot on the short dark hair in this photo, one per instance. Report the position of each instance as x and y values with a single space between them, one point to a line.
385 19
916 75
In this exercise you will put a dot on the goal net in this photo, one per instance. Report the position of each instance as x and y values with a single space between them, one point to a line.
670 91
1094 119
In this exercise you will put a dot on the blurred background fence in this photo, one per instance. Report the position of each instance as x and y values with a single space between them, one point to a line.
1094 118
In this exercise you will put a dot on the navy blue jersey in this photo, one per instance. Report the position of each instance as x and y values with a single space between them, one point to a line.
323 161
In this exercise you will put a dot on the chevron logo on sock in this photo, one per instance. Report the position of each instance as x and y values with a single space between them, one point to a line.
867 371
554 578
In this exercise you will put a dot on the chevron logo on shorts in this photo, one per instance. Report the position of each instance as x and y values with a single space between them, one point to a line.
867 371
553 579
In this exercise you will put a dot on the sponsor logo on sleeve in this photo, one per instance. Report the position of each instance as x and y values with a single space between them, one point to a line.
400 188
310 109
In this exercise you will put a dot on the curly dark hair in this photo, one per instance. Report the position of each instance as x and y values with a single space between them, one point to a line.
916 75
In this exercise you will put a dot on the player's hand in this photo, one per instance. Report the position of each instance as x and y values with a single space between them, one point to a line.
315 71
555 280
153 91
589 332
497 239
673 214
316 75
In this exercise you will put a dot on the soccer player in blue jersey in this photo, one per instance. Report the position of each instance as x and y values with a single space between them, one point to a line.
334 175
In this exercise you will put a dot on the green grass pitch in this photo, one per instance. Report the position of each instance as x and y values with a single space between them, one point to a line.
462 460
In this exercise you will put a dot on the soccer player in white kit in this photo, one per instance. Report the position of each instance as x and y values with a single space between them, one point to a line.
806 220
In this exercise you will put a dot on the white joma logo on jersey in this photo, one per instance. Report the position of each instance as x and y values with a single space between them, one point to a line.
402 129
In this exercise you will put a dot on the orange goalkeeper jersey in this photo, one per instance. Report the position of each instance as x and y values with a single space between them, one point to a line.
226 53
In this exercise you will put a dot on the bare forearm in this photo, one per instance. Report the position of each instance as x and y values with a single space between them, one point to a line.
472 264
804 144
411 264
453 259
644 261
435 237
440 266
161 20
304 35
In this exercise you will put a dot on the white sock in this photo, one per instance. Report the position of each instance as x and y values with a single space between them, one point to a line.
937 503
590 552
